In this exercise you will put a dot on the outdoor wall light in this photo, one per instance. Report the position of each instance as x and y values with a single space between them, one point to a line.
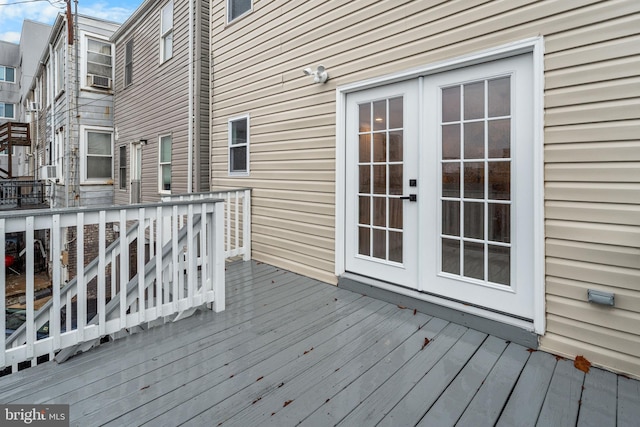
319 75
143 141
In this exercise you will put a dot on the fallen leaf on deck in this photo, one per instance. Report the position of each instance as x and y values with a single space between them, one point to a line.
255 401
327 401
582 364
401 307
531 350
415 311
145 387
273 413
335 299
273 281
287 403
426 341
559 358
231 376
308 351
259 378
280 385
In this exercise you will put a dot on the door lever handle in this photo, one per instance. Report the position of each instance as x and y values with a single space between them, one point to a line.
410 197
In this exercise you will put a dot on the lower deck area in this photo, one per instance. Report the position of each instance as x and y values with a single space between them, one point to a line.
290 350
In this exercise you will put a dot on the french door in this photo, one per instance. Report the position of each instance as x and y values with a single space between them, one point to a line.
439 185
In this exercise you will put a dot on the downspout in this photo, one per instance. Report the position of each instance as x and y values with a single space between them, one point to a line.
76 40
191 101
67 140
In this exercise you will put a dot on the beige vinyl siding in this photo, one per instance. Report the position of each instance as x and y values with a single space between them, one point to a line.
592 128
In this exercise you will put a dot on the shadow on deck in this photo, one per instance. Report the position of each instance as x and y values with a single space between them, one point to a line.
291 350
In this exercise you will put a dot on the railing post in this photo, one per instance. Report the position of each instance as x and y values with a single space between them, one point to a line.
217 257
246 225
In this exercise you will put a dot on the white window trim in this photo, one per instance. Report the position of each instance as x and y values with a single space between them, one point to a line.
122 186
84 46
58 86
533 45
14 110
248 144
124 74
83 154
14 74
163 35
237 18
160 190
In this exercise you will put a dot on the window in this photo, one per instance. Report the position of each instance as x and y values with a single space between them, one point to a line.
59 69
6 111
99 63
239 146
237 8
7 74
166 32
164 164
122 176
98 155
128 63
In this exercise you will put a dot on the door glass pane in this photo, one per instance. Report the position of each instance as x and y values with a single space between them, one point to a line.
451 256
474 220
474 180
451 218
395 179
474 100
364 113
451 142
499 97
380 115
499 222
380 179
380 244
395 113
395 246
451 104
365 179
396 208
499 138
500 180
364 241
395 146
380 211
379 147
500 264
365 148
364 210
474 140
474 260
451 179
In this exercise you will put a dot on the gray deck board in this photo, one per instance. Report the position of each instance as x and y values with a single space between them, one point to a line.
527 398
598 406
561 405
290 350
628 402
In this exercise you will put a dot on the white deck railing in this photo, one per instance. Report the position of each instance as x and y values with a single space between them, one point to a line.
163 238
237 218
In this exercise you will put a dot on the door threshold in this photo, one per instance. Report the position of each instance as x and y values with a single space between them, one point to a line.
509 328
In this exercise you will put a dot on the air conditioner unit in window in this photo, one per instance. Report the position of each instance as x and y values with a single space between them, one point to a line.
99 81
49 172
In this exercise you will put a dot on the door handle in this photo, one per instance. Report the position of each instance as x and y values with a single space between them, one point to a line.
410 197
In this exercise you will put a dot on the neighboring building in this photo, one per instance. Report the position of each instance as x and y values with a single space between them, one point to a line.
18 63
161 80
515 125
72 96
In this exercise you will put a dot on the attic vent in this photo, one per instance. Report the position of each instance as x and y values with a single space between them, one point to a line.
99 81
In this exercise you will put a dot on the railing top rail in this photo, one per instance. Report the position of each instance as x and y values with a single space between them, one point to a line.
67 211
230 190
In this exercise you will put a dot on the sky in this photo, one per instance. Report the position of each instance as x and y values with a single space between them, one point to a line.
13 12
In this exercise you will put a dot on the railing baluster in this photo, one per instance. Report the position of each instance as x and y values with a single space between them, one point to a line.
227 210
140 268
175 257
191 256
236 203
81 298
246 225
30 294
206 284
124 268
216 249
158 254
102 267
55 248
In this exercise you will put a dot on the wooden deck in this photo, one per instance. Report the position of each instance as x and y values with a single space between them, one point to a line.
291 350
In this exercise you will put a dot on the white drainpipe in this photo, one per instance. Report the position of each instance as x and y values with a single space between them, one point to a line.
190 113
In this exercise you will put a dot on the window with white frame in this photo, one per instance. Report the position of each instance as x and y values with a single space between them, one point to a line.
164 164
59 69
239 145
98 63
166 32
122 175
7 110
98 155
238 8
128 63
7 74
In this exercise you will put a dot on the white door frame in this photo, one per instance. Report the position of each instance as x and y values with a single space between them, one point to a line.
532 45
